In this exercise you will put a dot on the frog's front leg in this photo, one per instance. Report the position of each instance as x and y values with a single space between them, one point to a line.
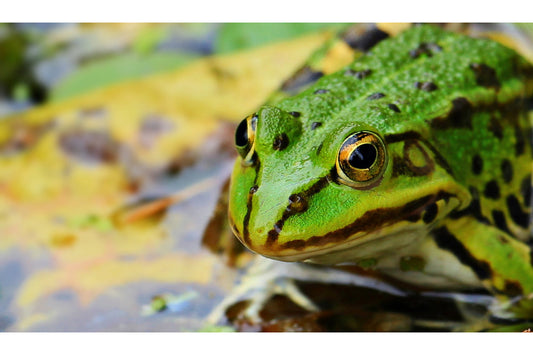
501 262
264 279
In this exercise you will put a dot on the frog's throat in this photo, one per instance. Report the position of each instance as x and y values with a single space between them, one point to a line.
371 226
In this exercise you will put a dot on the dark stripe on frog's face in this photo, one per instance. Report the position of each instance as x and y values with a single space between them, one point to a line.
412 146
415 136
246 220
370 221
404 166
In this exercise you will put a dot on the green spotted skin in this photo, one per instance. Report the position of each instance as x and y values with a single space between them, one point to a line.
449 204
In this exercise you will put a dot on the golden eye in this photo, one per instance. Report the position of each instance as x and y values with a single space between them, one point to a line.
245 139
361 159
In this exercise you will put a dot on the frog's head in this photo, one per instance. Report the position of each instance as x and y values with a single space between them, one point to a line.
326 191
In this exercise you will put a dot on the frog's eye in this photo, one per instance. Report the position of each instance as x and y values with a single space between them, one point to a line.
245 138
361 159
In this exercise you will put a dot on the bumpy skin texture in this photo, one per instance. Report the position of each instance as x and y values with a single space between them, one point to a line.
453 195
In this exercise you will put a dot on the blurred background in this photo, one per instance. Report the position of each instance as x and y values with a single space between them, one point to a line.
115 143
115 140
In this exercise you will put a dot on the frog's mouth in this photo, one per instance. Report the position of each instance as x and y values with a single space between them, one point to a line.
397 226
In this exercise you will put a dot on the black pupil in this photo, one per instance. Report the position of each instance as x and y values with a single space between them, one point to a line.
241 134
363 156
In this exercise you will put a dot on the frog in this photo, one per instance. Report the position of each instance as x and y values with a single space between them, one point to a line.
413 160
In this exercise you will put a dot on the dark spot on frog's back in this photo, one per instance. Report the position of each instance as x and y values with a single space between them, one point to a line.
507 170
427 86
496 127
280 142
376 96
525 189
301 79
499 220
363 42
425 48
485 75
517 214
394 108
459 116
477 164
319 148
315 125
520 143
321 91
358 74
492 190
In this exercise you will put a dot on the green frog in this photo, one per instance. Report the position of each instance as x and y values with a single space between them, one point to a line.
414 160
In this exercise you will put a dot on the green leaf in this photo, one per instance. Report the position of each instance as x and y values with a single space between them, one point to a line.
112 70
238 36
148 39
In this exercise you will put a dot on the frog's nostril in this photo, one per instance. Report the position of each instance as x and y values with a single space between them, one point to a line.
297 203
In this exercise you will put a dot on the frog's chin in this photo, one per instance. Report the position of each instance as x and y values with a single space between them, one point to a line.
362 246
